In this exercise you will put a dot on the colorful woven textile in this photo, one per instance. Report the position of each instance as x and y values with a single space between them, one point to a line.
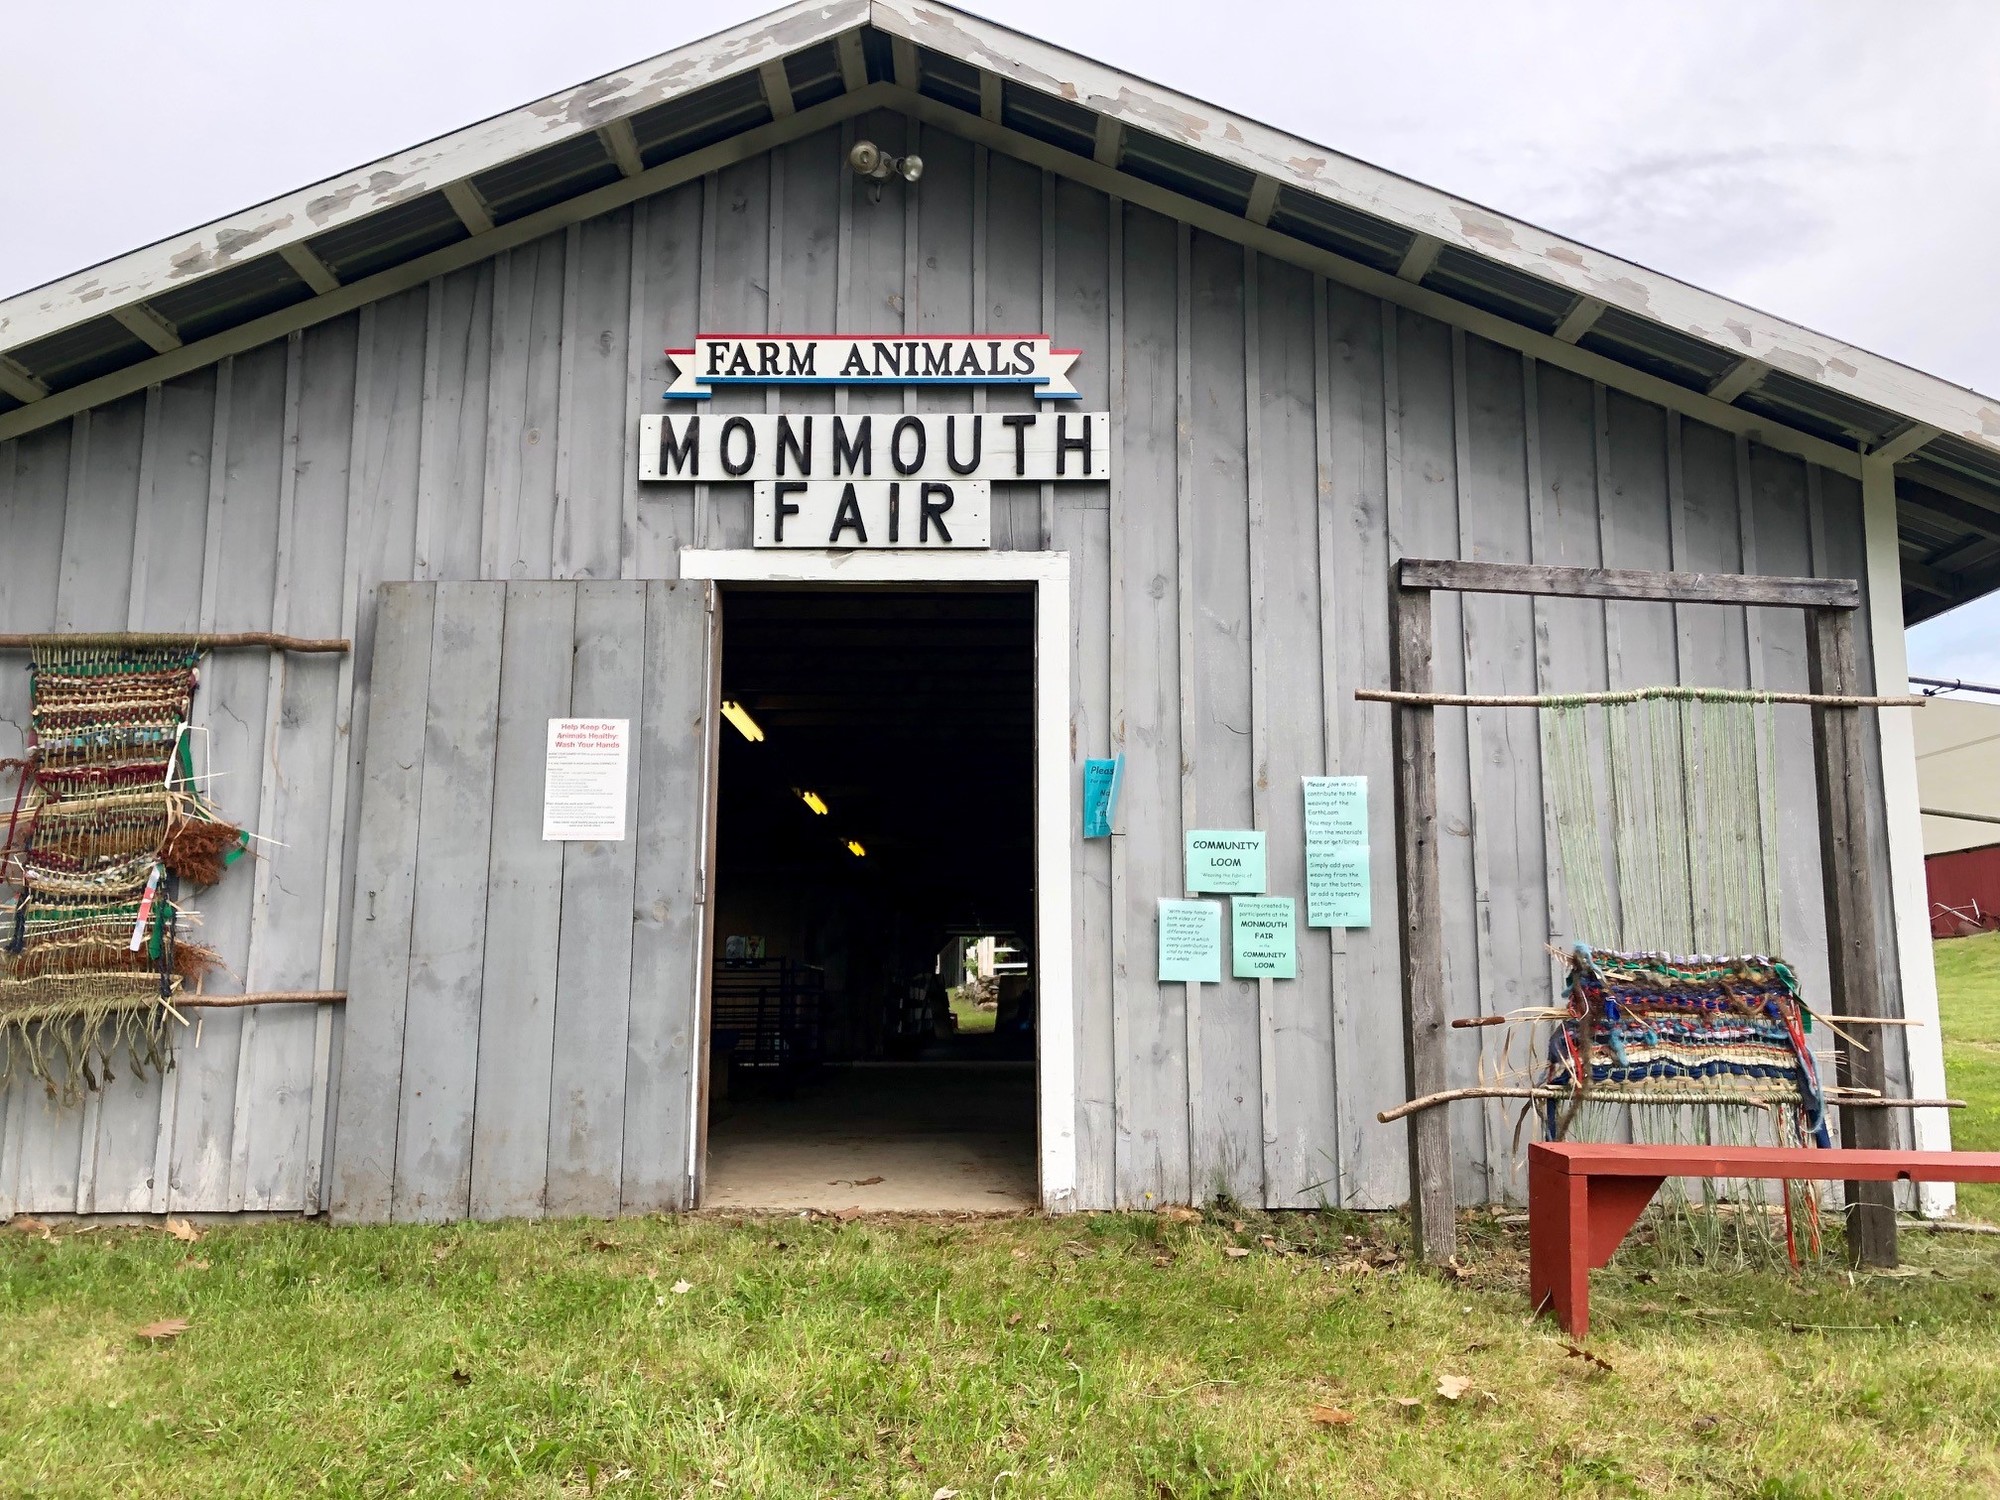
1666 1029
105 826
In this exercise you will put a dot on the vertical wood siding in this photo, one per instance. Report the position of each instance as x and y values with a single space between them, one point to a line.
1278 440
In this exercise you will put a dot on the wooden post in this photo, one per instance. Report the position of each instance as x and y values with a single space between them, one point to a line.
1848 862
1432 1212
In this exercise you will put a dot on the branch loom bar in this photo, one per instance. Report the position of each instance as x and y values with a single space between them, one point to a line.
271 997
1595 1096
1637 695
116 640
1628 583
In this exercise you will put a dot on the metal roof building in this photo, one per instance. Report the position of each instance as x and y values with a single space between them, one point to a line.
409 405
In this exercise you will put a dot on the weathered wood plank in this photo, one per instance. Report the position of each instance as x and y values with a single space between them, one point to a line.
1628 583
1228 1122
510 1148
596 415
520 502
669 253
229 745
447 941
1849 859
385 884
664 1027
1368 1048
1434 1224
594 953
458 366
1153 1142
1293 634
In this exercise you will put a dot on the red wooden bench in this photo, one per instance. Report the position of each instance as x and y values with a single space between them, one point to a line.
1583 1197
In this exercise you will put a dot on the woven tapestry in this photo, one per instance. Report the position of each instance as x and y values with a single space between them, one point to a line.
107 826
1663 1029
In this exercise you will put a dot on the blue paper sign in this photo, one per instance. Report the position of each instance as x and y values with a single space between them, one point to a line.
1101 779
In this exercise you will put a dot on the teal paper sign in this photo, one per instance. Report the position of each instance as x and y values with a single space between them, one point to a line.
1190 942
1227 861
1337 873
1264 933
1101 779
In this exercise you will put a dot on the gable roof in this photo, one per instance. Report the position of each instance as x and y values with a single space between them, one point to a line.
325 249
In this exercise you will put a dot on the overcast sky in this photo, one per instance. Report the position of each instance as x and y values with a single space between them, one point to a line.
1832 161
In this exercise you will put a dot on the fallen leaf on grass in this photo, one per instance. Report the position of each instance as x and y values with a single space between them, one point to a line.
1077 1248
1588 1358
1410 1404
845 1214
942 1493
460 1377
682 1288
1707 1424
1176 1214
28 1225
163 1332
1331 1416
1163 1259
1013 1319
183 1231
1451 1387
197 1265
1234 1252
439 1252
605 1245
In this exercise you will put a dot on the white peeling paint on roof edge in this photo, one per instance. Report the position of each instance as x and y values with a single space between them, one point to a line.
1287 160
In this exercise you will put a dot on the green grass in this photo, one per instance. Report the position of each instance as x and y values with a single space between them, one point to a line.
1968 977
971 1019
1116 1355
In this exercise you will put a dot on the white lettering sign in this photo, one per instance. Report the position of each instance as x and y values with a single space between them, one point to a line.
583 788
723 359
1030 446
874 513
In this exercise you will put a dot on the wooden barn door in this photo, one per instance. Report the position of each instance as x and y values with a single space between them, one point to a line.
522 1018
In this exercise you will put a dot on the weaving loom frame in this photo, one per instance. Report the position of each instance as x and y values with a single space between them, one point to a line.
1848 856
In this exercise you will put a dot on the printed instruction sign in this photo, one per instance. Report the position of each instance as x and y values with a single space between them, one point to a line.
1264 934
1337 874
583 789
1100 795
1225 861
1190 942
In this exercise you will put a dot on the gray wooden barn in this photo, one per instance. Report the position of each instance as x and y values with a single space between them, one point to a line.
412 406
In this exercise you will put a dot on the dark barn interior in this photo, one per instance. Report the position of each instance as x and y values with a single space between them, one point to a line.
836 1055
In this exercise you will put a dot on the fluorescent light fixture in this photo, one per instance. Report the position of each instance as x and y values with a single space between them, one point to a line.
854 848
811 799
746 726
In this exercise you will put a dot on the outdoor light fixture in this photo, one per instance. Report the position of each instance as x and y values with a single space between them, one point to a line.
746 726
854 848
876 166
811 799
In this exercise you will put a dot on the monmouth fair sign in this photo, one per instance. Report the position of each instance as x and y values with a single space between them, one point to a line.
876 479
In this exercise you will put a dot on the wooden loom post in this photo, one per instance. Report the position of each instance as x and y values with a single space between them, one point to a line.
1847 876
1433 1214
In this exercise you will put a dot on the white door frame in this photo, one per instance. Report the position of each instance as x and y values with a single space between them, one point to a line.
1048 574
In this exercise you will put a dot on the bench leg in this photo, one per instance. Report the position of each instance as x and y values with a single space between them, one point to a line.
1574 1223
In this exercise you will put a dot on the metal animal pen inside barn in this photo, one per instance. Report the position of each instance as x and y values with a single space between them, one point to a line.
404 407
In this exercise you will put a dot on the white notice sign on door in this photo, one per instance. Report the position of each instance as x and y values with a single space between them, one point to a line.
583 791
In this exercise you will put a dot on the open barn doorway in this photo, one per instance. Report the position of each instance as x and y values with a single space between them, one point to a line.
873 1015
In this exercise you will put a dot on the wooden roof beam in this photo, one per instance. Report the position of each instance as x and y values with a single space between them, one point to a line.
1738 378
1580 319
1263 200
152 330
623 144
18 382
853 65
777 91
468 205
1110 144
1419 258
1907 442
310 269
